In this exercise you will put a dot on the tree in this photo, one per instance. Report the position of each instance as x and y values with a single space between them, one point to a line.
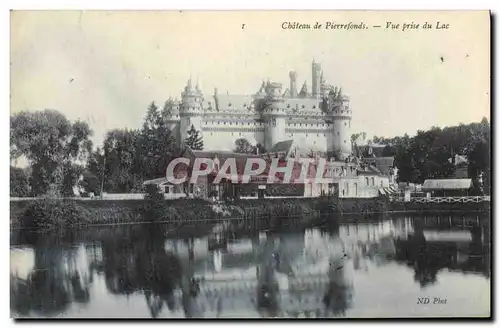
480 165
156 143
357 136
49 141
243 146
194 140
121 161
19 182
90 183
427 154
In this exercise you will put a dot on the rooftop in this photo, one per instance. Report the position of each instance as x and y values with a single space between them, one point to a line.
447 184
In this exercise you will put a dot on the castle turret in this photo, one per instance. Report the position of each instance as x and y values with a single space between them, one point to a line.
191 110
340 115
316 79
293 84
274 115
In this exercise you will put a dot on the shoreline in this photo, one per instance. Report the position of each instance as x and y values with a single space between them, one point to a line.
246 213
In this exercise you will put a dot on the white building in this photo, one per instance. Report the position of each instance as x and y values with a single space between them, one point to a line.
319 119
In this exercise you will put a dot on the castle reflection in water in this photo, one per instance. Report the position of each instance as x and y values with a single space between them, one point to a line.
353 270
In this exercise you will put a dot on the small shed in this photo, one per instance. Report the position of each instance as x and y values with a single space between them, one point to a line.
447 187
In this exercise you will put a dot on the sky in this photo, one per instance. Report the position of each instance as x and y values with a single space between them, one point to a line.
107 67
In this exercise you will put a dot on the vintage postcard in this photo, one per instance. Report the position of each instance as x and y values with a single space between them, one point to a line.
250 164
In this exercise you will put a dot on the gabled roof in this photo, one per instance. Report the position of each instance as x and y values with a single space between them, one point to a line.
225 102
281 147
447 184
369 169
383 164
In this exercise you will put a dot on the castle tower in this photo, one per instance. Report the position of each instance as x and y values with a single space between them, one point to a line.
293 84
340 115
274 115
190 111
316 79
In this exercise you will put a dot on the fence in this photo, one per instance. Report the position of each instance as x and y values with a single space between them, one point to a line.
447 200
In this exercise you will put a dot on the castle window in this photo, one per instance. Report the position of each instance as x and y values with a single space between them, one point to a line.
367 181
229 105
288 106
209 103
244 105
211 133
317 134
345 124
338 133
303 106
344 141
240 133
314 107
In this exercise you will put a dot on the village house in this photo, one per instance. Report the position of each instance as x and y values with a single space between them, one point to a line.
351 178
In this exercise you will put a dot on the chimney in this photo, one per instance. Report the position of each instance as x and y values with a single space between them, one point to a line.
293 84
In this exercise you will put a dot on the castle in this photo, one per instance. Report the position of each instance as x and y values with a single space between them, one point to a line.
319 119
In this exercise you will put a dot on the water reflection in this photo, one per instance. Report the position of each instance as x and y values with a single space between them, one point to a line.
314 273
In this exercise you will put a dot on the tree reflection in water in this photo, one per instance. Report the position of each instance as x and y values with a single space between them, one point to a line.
132 261
427 258
54 282
142 263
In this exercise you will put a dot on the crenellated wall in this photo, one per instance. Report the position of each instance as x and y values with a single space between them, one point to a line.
320 120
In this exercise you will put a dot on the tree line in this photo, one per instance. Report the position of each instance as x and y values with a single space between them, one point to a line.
60 154
427 155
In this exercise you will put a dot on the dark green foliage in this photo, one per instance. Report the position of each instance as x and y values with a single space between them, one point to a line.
194 139
51 144
19 182
156 207
243 146
90 183
426 155
54 214
133 156
153 193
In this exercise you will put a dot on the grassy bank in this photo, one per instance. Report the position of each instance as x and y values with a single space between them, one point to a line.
198 216
44 214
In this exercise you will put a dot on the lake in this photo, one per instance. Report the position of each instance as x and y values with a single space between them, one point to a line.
396 267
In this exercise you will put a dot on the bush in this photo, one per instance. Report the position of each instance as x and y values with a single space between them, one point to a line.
54 214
